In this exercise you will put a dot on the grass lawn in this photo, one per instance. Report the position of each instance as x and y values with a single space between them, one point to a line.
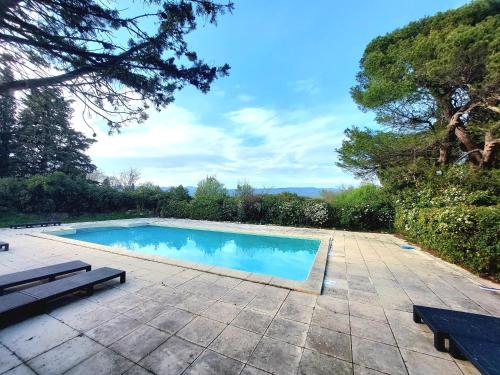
7 219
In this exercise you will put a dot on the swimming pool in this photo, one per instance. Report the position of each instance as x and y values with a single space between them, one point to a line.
285 257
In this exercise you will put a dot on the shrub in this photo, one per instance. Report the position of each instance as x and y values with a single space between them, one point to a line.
367 207
175 208
317 213
462 234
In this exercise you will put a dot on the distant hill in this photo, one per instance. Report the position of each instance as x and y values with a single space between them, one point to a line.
312 192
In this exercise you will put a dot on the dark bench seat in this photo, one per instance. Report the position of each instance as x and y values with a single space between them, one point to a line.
33 300
445 322
36 274
33 225
4 245
485 355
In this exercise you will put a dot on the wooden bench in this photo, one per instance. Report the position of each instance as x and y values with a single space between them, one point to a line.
484 355
4 245
475 337
37 274
34 300
33 225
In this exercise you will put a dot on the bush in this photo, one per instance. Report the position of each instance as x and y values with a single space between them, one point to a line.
463 234
367 207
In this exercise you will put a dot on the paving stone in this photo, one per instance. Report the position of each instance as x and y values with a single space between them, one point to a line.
329 342
36 335
111 331
252 320
63 357
238 297
372 330
174 298
412 338
288 330
367 311
402 318
211 363
276 356
236 343
361 370
125 301
8 360
138 370
145 311
328 319
201 331
250 370
228 282
172 320
213 291
319 364
156 292
222 312
300 298
140 342
421 364
293 311
249 286
335 305
20 370
172 357
378 356
273 292
195 304
105 362
265 304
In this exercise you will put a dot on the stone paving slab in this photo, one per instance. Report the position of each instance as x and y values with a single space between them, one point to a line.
167 319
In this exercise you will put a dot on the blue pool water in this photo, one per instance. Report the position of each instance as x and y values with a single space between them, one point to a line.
289 258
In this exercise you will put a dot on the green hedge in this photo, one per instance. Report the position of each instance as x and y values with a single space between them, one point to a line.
462 234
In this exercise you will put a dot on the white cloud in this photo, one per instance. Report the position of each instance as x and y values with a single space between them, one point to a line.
269 147
308 86
245 98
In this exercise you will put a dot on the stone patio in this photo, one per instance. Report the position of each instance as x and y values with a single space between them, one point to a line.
168 319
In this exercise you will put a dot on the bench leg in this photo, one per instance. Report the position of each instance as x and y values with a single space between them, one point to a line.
416 317
89 268
52 278
122 278
439 342
455 351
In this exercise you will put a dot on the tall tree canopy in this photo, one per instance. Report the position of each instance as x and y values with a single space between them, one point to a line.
435 84
8 125
45 142
115 61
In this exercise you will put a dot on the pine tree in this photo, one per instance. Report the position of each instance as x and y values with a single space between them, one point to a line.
46 141
7 126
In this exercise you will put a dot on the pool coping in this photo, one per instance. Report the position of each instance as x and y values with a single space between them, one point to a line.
313 284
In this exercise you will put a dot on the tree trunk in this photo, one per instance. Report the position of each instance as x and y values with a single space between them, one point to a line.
490 145
473 152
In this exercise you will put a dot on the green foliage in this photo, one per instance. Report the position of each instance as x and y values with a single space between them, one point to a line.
456 213
436 81
367 207
8 126
45 142
208 200
463 234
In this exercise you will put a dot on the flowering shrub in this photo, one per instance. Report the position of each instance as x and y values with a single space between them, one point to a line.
317 213
463 234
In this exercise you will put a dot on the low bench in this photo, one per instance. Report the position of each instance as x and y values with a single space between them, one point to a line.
33 225
37 274
484 355
444 322
30 301
4 245
471 336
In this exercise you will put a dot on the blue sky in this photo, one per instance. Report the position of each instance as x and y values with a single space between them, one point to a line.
277 119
